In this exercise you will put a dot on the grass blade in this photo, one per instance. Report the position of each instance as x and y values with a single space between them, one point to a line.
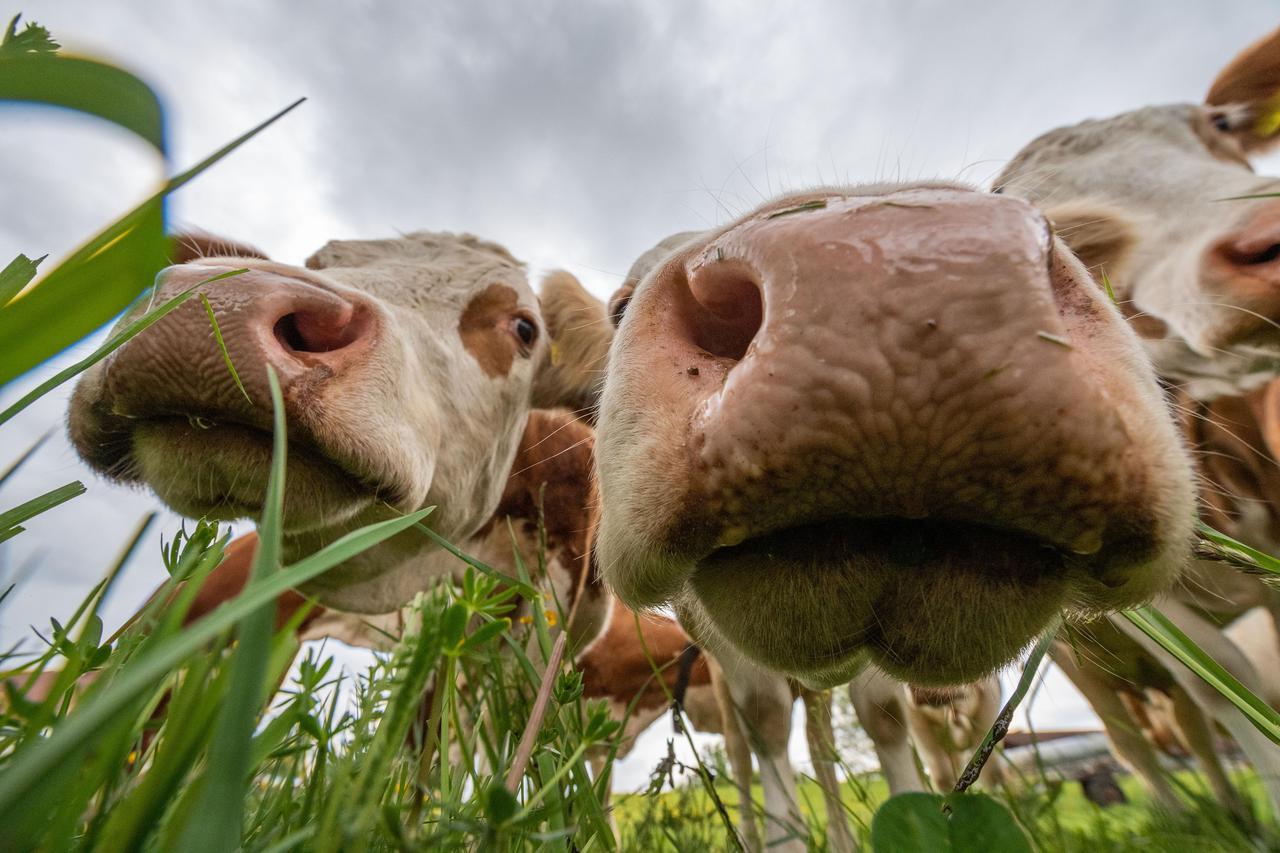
26 455
1001 726
1158 627
216 821
86 86
30 509
28 767
101 277
222 345
114 343
1215 545
17 276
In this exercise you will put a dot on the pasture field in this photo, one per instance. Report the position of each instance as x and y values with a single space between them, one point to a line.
163 737
1054 815
337 763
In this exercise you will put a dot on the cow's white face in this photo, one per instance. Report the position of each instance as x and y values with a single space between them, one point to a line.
1141 196
408 368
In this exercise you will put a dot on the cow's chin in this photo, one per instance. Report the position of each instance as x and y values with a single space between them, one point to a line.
931 602
219 471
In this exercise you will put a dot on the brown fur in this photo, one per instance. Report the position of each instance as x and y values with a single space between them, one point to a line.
483 329
615 666
1234 439
551 484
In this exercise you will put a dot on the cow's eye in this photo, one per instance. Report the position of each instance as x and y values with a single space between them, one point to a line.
525 330
1221 121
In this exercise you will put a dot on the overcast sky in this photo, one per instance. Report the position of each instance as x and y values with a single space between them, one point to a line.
577 135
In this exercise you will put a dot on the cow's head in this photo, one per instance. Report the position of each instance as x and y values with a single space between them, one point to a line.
408 366
901 421
1143 196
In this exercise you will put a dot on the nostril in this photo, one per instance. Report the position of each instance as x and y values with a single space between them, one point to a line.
726 310
315 332
1245 255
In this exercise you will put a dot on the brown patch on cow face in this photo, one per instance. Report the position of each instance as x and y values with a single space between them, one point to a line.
483 328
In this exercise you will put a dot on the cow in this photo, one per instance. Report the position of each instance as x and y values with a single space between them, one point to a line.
885 710
677 368
1163 203
366 338
1146 196
897 423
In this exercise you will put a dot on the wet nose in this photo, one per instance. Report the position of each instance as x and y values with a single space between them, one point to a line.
265 317
280 318
890 355
831 275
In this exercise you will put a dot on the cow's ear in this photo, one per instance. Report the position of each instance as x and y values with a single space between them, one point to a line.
1247 95
571 372
188 246
1100 236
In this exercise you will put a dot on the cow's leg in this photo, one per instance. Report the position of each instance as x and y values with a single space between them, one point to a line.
880 704
763 702
1196 735
739 753
1133 750
935 752
1264 754
822 750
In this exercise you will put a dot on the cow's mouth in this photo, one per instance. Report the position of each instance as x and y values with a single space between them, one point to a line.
206 466
863 586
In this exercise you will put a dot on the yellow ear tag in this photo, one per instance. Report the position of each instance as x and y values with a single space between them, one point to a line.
1268 122
555 354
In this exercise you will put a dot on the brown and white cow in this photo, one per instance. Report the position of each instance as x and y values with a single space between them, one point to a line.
409 368
888 423
721 427
1150 197
1145 196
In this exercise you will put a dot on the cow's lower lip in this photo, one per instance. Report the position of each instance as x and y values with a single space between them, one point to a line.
229 445
854 586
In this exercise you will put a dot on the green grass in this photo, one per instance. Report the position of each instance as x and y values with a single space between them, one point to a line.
1055 817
